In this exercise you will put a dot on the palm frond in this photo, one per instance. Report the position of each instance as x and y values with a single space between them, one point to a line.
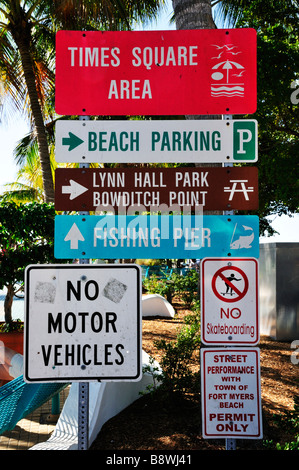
104 14
20 193
229 11
26 149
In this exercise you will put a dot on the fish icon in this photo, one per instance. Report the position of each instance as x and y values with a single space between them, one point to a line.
244 241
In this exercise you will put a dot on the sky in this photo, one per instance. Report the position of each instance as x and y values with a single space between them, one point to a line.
10 133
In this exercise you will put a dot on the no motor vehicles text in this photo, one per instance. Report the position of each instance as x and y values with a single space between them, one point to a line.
83 323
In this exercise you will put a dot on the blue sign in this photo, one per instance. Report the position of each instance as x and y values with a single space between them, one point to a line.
156 236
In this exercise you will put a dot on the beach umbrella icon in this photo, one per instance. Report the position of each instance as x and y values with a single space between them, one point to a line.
228 65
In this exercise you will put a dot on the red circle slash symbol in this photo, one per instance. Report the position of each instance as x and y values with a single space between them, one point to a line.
231 288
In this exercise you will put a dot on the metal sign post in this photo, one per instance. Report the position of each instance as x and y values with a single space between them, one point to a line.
230 444
83 416
83 393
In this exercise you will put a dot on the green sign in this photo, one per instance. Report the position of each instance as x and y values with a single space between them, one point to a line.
244 143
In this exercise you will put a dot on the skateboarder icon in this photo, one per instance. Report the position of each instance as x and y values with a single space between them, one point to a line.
226 283
229 287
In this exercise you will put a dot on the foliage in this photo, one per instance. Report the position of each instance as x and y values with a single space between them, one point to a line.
289 420
103 15
177 375
28 186
155 285
277 27
15 325
154 371
27 53
185 286
194 316
294 445
150 262
276 24
26 237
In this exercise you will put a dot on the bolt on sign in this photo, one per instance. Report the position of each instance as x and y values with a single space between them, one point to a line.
88 319
105 189
155 236
166 141
229 301
231 397
207 71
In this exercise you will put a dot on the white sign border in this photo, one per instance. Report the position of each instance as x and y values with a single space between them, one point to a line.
223 342
82 154
87 378
258 404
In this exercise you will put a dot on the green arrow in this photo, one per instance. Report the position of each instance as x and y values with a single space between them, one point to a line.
73 141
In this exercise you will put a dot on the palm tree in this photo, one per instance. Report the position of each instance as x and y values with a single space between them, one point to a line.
104 14
197 14
27 34
28 186
24 72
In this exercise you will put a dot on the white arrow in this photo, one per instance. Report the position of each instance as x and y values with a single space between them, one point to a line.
74 235
74 190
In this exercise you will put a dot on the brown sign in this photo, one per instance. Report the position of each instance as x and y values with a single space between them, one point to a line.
156 189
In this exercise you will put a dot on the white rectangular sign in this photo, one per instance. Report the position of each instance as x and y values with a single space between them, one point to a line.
192 141
230 389
230 301
82 323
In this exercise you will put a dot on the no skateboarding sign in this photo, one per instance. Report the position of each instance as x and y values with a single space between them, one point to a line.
229 295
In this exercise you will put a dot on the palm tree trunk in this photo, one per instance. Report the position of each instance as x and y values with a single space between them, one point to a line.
196 14
38 120
193 14
8 303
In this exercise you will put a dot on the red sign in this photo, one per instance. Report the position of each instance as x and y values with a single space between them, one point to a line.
213 188
210 71
230 286
231 393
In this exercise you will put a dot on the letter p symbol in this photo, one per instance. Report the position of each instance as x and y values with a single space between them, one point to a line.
245 140
245 136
